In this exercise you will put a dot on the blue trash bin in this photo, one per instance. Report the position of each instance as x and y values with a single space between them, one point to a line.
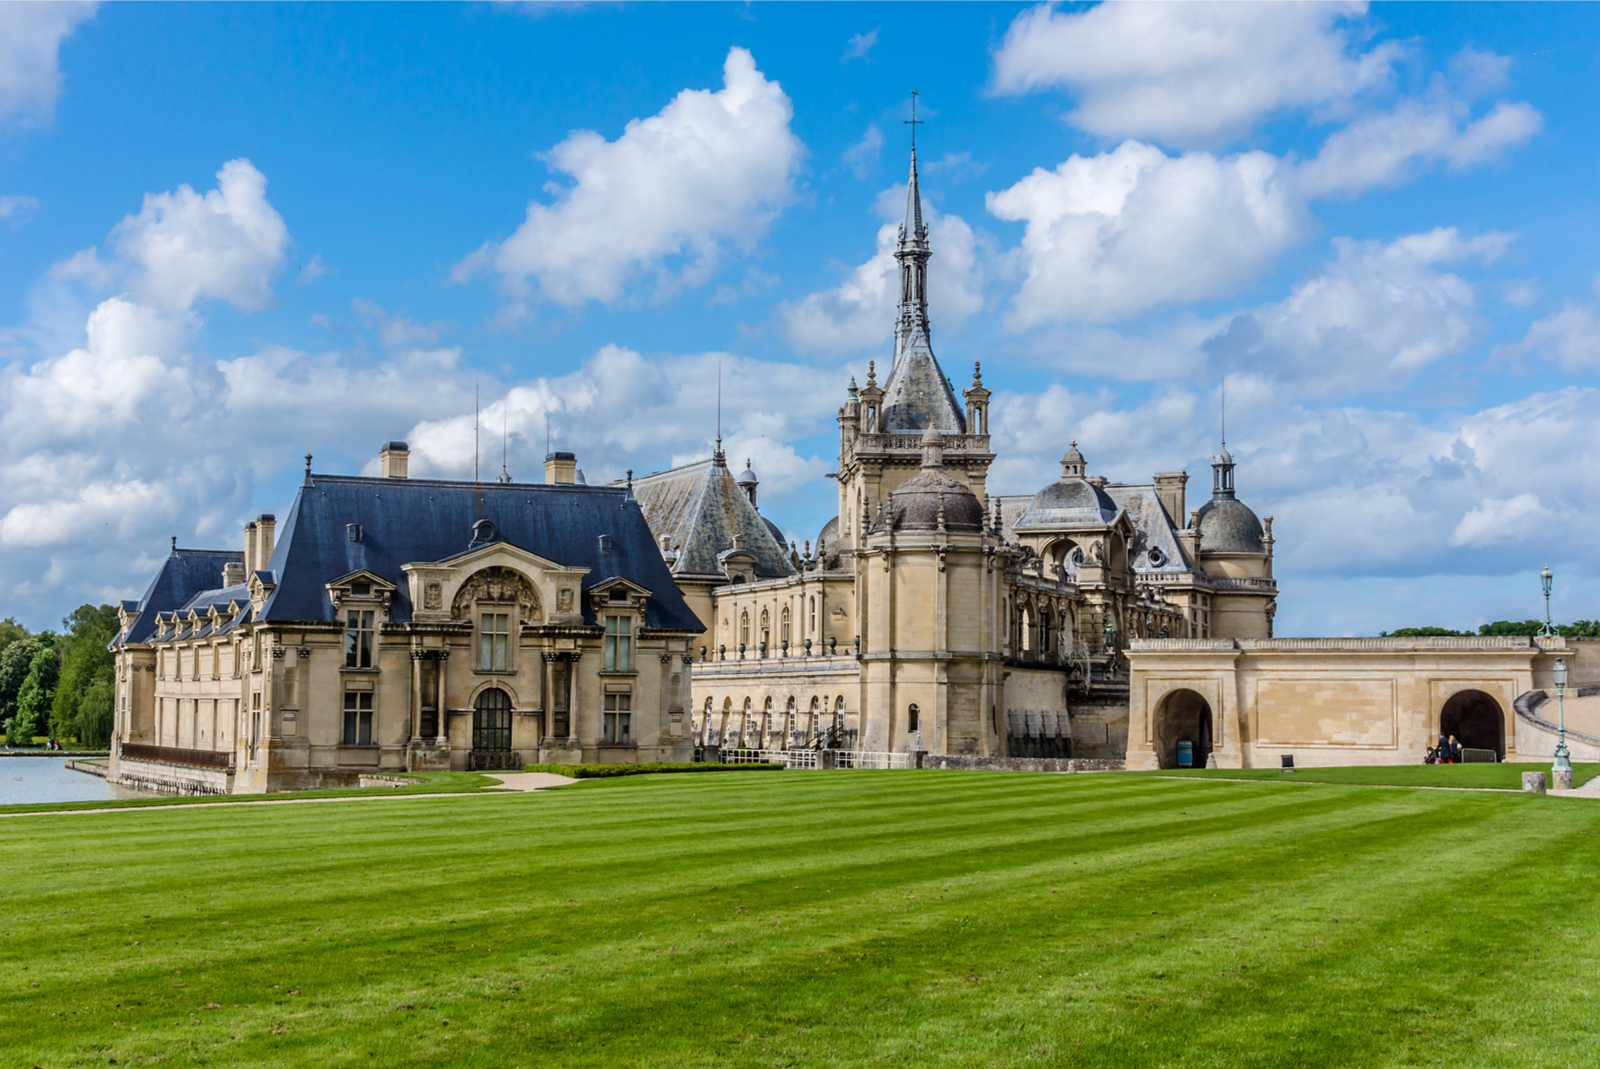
1185 755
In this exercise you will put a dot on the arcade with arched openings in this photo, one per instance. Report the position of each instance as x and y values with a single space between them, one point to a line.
1183 716
1477 720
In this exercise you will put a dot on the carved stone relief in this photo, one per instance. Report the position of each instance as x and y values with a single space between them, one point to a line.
497 584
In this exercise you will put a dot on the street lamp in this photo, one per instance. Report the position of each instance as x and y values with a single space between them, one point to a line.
1563 761
1546 578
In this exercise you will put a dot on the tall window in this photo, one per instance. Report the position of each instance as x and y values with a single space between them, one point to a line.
358 638
358 718
491 720
619 719
619 644
812 633
784 629
766 629
744 629
560 695
493 631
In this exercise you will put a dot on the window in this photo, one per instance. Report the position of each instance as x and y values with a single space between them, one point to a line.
784 630
619 644
492 637
617 593
255 722
812 631
912 715
744 629
491 720
560 716
766 630
358 638
619 719
358 718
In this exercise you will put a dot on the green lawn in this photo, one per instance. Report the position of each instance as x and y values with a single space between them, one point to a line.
432 783
1502 776
812 919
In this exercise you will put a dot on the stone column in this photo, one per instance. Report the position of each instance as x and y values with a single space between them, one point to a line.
443 738
416 693
572 694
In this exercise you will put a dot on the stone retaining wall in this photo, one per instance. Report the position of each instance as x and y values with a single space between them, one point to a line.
973 763
171 779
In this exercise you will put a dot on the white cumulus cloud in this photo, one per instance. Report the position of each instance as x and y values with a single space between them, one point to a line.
1371 319
1112 235
224 244
710 170
1391 147
30 48
1190 74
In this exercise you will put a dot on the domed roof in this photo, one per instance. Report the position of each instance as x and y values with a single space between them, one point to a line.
1069 502
747 477
915 504
1228 526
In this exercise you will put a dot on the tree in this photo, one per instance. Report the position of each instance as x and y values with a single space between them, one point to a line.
11 631
1511 627
1421 632
14 665
85 661
35 696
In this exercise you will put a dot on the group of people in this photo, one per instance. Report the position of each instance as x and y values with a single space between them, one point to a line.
1447 752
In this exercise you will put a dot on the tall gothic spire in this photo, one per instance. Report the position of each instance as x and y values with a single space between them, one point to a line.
911 328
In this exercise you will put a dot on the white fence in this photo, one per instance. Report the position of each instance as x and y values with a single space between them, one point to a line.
815 759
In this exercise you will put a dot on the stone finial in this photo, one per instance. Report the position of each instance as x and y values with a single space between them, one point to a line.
872 373
977 373
932 449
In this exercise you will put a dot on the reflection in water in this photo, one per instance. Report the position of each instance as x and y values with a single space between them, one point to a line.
48 779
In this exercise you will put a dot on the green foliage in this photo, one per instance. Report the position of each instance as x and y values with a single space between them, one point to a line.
607 771
1422 632
1580 629
11 631
35 695
86 667
1511 628
14 665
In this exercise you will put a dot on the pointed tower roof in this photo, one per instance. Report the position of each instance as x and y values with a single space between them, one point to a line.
917 394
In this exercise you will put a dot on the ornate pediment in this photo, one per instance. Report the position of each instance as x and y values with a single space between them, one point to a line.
501 585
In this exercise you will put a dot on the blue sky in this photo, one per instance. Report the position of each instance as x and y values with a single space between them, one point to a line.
234 234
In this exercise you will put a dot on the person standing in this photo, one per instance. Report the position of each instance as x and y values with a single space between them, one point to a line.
1455 750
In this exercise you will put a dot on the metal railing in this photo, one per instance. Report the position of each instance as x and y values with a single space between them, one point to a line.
873 759
786 758
176 755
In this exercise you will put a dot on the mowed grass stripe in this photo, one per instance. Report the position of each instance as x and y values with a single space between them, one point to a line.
982 968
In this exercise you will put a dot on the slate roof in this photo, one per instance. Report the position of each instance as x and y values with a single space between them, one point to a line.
181 583
917 395
1153 528
406 521
698 509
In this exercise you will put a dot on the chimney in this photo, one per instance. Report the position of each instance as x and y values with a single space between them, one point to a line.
560 467
233 573
249 547
1169 488
266 524
393 458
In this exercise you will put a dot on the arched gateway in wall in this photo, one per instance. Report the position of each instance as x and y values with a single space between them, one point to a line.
1183 716
1476 719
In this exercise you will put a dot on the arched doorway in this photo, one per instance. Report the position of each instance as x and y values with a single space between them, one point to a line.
1477 720
491 720
1183 716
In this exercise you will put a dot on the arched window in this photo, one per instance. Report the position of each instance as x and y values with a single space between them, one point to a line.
491 720
766 723
766 630
749 726
794 724
783 632
1027 629
706 736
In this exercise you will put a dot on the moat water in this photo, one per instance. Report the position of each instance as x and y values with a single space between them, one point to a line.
48 779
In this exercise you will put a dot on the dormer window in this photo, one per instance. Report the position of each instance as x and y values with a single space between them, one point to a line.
617 593
353 531
361 590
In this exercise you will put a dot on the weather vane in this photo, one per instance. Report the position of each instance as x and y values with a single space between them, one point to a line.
913 122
